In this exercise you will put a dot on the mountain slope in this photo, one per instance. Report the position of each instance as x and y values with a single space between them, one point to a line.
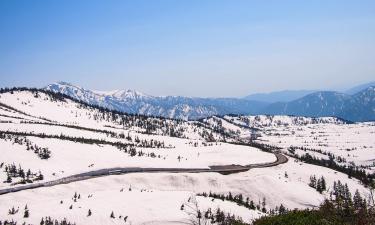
279 96
356 89
170 106
358 107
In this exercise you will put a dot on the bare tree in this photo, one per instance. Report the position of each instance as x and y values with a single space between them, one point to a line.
196 216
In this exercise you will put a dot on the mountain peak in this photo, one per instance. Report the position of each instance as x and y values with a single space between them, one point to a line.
129 94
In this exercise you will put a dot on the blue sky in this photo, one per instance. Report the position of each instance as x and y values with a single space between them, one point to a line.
192 48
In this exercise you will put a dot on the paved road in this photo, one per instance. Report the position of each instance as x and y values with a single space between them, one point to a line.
226 169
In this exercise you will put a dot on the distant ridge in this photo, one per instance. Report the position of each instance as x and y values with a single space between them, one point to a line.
357 107
279 96
352 107
178 107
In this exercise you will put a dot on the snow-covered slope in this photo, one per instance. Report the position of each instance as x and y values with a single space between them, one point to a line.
81 138
353 143
167 106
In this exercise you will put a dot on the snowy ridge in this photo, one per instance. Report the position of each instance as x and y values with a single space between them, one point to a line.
167 106
357 107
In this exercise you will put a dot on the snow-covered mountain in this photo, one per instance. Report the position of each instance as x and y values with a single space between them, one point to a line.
357 107
169 106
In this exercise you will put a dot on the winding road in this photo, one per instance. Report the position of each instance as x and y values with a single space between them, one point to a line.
225 169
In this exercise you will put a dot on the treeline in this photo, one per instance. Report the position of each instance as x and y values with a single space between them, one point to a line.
43 221
261 146
21 112
124 147
239 199
329 154
109 133
351 171
50 221
247 203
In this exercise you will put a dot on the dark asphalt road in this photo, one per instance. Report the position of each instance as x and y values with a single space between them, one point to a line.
226 169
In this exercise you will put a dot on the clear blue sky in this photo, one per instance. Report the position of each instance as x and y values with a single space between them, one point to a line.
187 47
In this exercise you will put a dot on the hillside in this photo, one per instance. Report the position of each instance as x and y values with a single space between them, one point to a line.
46 137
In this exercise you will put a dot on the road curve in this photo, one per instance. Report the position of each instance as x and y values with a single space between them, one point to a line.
225 169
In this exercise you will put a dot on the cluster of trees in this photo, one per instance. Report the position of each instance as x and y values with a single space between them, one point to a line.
49 221
219 217
239 199
140 143
13 171
109 133
147 143
340 209
247 203
8 222
318 184
76 197
42 153
112 216
14 211
351 171
345 205
332 156
205 217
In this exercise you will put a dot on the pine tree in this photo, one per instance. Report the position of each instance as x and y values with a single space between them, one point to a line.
282 209
323 184
357 200
319 186
26 213
264 205
112 215
89 212
312 181
9 178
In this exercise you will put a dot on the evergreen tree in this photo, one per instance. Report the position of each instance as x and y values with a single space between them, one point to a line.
312 181
357 200
26 213
9 178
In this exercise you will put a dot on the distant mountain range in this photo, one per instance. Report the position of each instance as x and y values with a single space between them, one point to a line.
357 107
358 104
169 106
278 96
